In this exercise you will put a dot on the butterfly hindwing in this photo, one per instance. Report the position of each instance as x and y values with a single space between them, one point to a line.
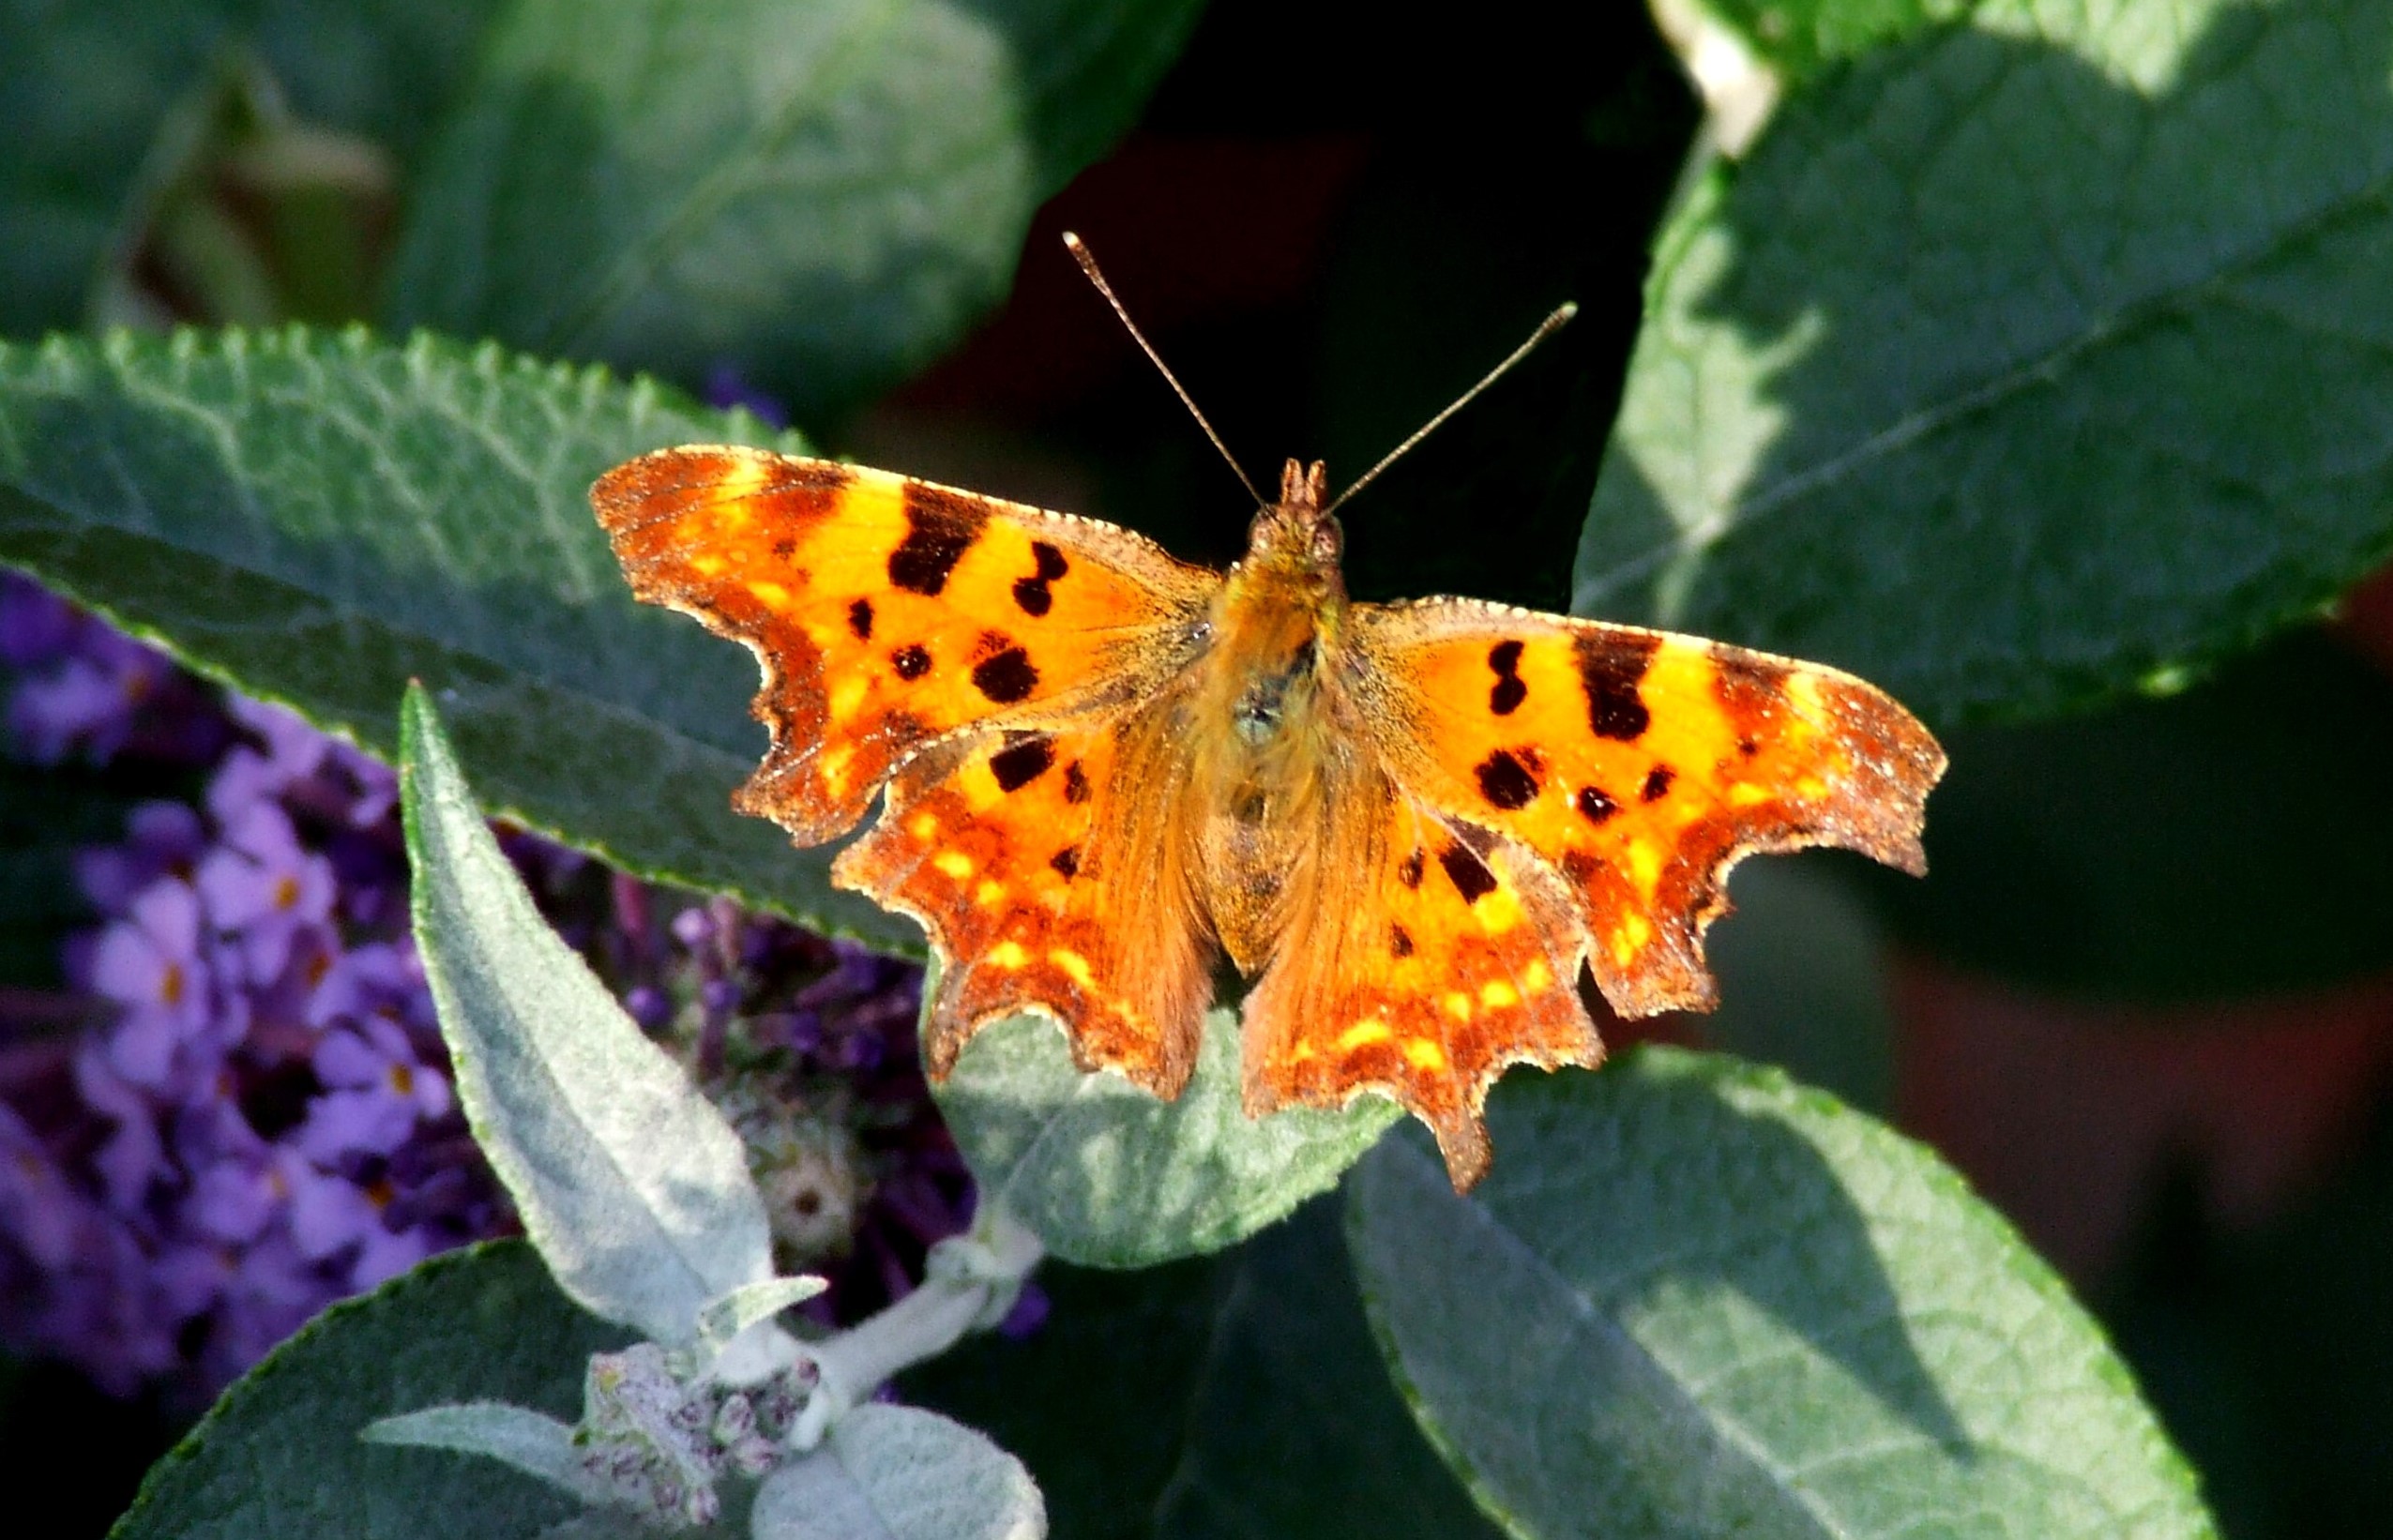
1639 765
1421 956
886 612
1043 864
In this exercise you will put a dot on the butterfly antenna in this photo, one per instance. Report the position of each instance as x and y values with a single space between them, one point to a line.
1088 264
1546 328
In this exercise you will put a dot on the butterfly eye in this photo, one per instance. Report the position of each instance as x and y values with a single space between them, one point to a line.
1328 544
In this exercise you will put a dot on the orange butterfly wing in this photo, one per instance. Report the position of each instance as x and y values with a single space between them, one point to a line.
988 656
887 613
1594 783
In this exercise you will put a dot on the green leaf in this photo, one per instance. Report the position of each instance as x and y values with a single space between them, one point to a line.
630 1183
825 195
1110 1177
531 1442
317 518
896 1472
279 1458
89 92
2024 360
2229 841
1692 1298
1231 1395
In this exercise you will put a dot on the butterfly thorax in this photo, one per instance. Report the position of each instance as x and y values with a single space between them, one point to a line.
1262 716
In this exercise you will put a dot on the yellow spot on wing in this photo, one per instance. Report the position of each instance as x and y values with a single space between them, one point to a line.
1074 966
1362 1035
1422 1054
1497 995
1008 954
1458 1006
707 565
834 765
923 825
1745 794
1536 977
772 596
1498 912
1630 939
1812 786
956 864
849 696
1645 864
988 891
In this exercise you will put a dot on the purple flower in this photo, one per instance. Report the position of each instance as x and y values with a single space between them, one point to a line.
264 891
150 960
381 1092
160 839
88 701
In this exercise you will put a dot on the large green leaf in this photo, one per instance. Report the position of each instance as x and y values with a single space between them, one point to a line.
824 192
280 1455
1692 1298
1110 1177
87 91
2023 359
1231 1396
320 518
2233 841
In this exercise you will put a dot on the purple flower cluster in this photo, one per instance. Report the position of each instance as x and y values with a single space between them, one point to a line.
238 1110
252 1116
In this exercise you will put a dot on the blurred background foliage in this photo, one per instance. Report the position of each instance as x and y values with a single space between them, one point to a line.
2145 1001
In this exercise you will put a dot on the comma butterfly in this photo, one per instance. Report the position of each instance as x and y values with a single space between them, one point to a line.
1428 833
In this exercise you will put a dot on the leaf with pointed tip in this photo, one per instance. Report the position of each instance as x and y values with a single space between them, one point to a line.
2024 360
319 518
1110 1177
822 193
530 1441
633 1188
1693 1298
278 1457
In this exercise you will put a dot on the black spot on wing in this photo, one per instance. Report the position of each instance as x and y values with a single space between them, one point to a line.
1047 564
1656 785
1594 805
1075 783
1399 941
1066 862
941 526
1609 667
1507 782
1467 872
859 619
1409 873
1506 695
1005 676
912 662
1019 764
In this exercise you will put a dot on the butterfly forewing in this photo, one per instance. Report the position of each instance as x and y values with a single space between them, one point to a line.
1639 765
886 612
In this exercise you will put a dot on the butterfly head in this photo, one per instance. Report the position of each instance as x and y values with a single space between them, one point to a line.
1296 534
